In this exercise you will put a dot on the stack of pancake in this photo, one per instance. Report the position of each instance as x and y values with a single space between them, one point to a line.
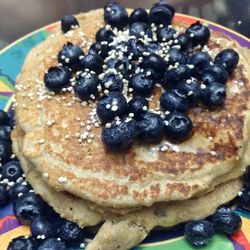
135 191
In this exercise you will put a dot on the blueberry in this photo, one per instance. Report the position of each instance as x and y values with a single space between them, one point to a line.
139 29
246 176
141 84
99 49
138 15
121 65
177 56
138 106
43 226
178 126
12 170
22 243
153 47
174 100
244 198
57 78
165 34
112 105
191 88
104 35
112 82
175 75
92 62
199 33
213 95
115 15
4 118
214 73
226 221
86 85
19 189
228 58
161 13
200 60
199 232
68 22
70 232
5 132
155 64
135 48
28 207
5 150
70 56
52 244
4 197
151 128
184 41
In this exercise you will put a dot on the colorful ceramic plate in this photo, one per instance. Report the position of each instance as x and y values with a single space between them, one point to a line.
11 61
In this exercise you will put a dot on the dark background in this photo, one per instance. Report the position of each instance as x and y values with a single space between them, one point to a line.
19 17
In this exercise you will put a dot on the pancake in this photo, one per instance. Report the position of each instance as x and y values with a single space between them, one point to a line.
143 175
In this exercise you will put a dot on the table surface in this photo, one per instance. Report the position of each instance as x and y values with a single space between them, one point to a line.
19 17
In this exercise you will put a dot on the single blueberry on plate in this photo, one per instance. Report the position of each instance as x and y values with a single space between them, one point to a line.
165 34
244 198
213 95
52 244
22 243
86 85
246 176
178 126
120 137
161 13
135 48
228 58
141 84
110 106
5 132
4 197
174 99
19 189
138 106
138 15
92 62
12 170
184 41
199 33
200 61
121 65
199 232
140 29
68 22
214 73
151 128
104 35
70 56
112 82
177 56
115 15
5 150
57 78
99 49
4 118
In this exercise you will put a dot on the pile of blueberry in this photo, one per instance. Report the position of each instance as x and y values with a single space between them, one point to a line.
130 56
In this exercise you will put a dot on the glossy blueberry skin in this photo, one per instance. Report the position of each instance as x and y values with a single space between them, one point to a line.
246 176
12 170
201 33
4 197
120 137
161 13
151 128
72 53
92 62
244 198
104 35
5 132
17 189
165 34
213 95
22 243
200 60
135 48
52 244
176 55
175 75
68 22
112 82
115 15
4 118
136 106
153 47
226 221
141 84
5 150
214 73
185 42
199 232
121 65
107 114
86 85
99 49
178 126
228 58
174 99
138 15
57 78
139 29
28 207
